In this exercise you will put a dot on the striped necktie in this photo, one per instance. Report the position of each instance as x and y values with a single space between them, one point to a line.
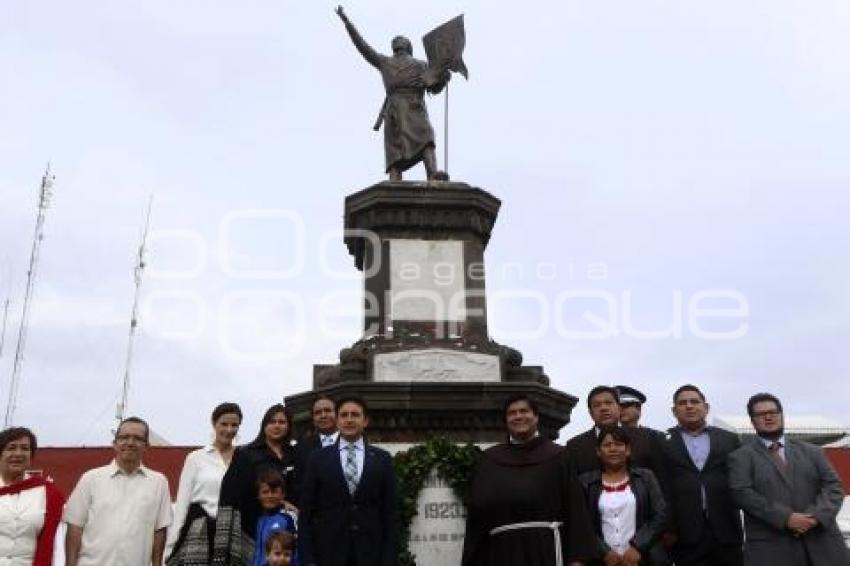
776 455
350 469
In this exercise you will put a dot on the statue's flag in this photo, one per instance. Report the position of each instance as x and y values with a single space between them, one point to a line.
444 46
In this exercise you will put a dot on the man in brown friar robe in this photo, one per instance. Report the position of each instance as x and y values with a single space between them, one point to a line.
408 135
526 506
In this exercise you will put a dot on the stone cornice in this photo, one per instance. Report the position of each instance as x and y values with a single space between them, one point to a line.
463 412
431 211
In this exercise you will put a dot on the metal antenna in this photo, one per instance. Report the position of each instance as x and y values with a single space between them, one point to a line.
6 304
43 203
121 410
3 329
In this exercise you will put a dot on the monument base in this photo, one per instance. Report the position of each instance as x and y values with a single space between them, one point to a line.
461 411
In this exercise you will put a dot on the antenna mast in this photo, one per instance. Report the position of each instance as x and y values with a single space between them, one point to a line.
3 328
121 410
6 303
43 203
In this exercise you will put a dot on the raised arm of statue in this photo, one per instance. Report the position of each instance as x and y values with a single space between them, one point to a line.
372 56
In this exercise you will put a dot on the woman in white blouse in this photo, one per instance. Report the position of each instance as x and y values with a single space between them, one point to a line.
626 503
190 536
30 508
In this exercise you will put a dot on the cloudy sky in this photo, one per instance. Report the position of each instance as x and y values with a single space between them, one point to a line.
674 180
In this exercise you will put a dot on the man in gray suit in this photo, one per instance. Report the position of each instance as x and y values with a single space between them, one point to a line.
789 493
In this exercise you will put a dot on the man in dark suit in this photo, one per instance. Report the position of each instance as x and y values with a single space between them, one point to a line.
789 493
349 505
706 523
324 433
603 406
603 403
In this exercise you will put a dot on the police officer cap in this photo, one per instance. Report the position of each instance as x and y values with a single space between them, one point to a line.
630 395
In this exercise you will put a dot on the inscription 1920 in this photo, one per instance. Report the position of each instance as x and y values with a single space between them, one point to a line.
444 510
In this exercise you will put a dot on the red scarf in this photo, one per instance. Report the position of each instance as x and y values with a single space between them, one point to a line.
53 514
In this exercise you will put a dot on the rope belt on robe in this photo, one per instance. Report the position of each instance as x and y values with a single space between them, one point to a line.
556 533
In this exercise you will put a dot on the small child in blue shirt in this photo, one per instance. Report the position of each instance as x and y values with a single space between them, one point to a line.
275 517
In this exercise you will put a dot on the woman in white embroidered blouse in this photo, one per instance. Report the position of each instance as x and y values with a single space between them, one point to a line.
625 502
191 533
30 508
617 504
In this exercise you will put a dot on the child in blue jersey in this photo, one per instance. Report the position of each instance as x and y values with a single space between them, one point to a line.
275 518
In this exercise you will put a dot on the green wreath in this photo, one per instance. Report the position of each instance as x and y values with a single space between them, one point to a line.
455 464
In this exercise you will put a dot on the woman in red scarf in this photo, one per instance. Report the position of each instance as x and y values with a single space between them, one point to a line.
626 504
30 509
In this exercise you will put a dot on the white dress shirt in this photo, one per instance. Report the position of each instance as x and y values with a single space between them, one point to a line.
21 520
118 513
359 454
200 482
618 515
328 439
780 441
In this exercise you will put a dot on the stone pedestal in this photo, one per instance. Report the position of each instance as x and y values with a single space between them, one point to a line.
421 248
425 363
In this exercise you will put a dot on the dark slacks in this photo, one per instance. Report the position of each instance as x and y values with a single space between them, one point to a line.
659 556
708 552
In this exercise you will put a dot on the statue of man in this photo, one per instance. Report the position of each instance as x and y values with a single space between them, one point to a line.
408 135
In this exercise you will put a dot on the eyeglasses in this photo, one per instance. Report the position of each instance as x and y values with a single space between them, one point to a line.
769 413
127 438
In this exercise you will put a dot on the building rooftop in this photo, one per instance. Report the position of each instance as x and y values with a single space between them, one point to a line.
811 428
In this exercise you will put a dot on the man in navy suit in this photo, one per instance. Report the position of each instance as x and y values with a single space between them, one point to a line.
705 519
349 505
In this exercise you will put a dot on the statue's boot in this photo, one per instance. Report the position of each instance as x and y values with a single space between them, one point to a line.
429 159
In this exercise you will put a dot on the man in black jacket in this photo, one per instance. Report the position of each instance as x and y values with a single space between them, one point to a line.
603 403
706 522
324 434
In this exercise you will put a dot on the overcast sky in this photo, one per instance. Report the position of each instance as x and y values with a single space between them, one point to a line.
647 154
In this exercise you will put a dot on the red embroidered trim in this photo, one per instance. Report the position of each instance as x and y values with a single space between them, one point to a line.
615 488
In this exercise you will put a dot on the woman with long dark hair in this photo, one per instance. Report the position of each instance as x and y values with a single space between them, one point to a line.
625 502
271 449
190 535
